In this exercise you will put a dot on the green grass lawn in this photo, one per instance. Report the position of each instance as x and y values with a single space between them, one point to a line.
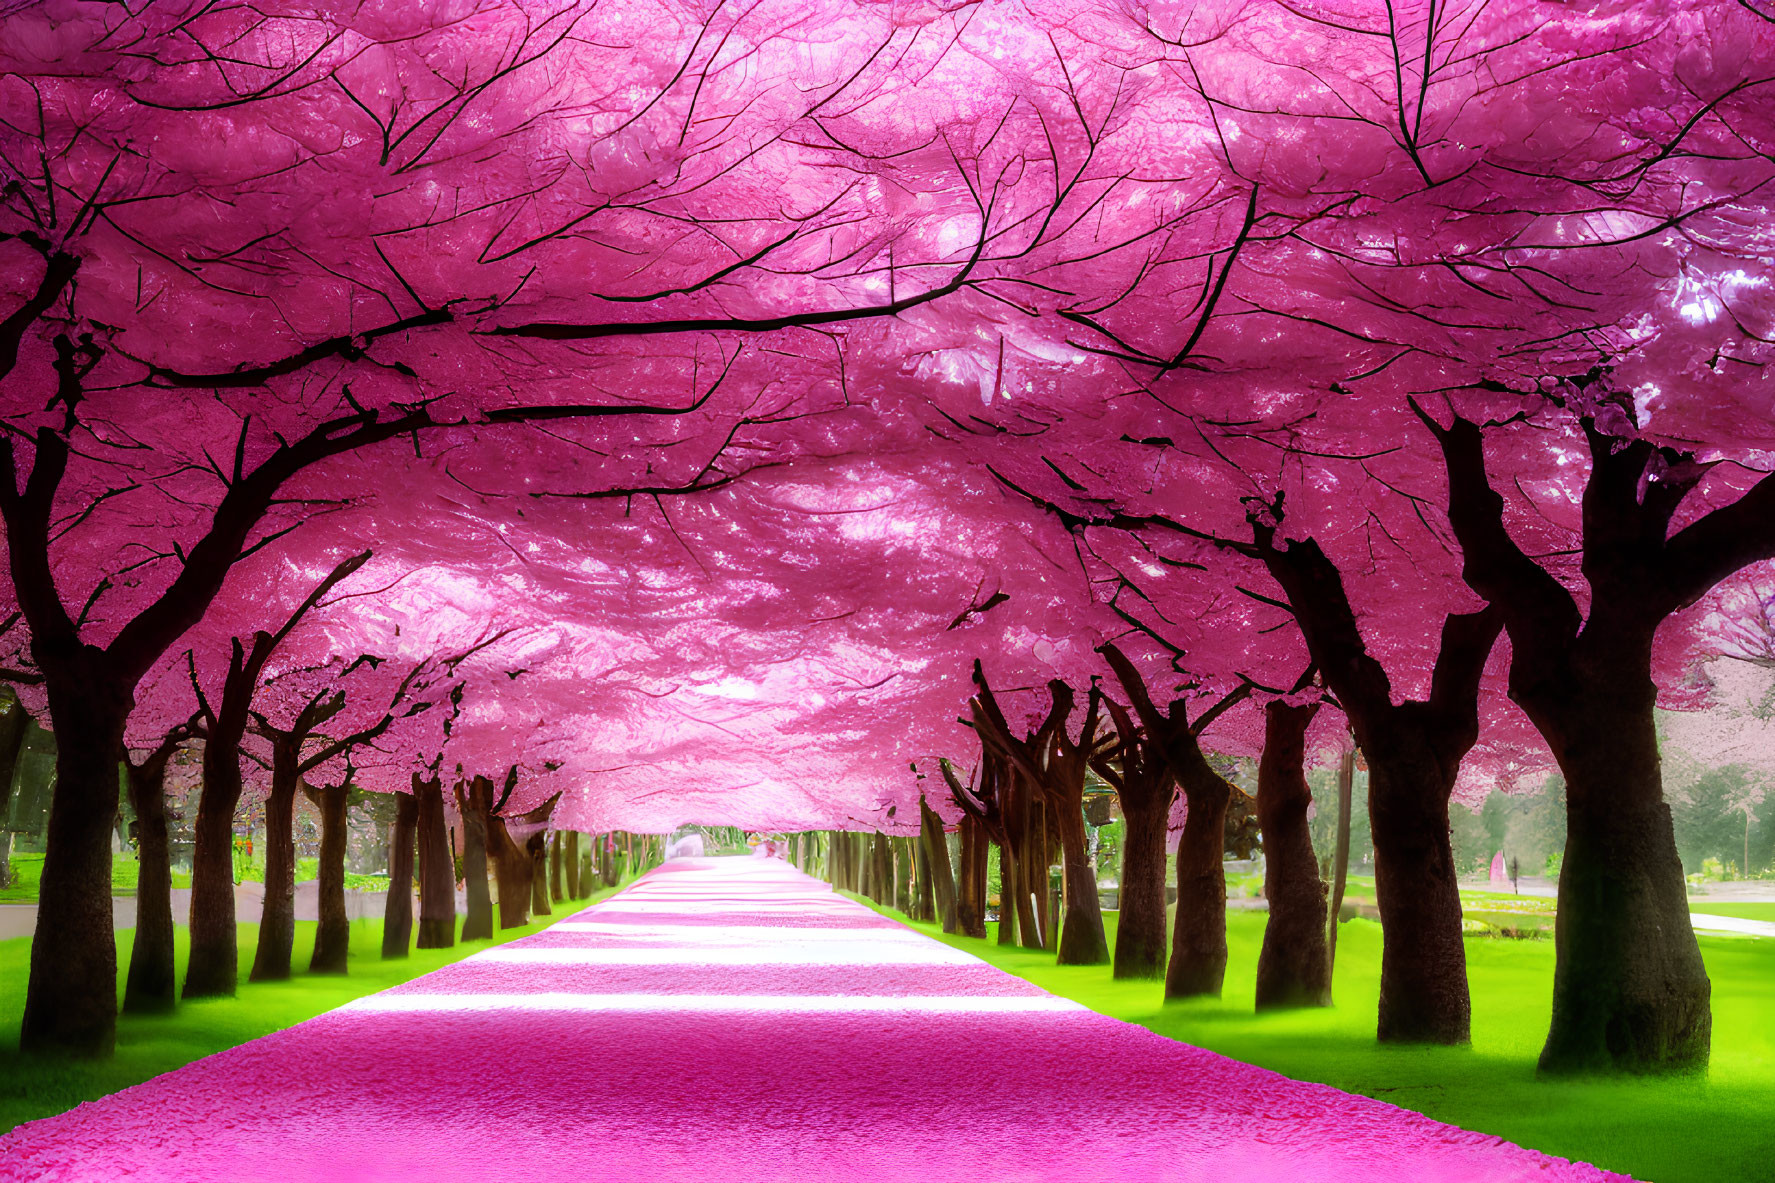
33 1087
1720 1129
28 869
1744 911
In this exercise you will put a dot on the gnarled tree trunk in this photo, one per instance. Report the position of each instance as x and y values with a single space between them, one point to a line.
1629 986
1414 752
1293 968
332 939
397 912
1198 936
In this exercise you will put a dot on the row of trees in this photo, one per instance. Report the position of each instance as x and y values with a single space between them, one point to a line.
1336 341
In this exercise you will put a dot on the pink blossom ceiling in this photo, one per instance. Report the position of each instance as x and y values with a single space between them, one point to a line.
767 365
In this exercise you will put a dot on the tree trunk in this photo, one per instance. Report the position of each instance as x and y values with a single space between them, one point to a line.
925 891
970 884
437 868
608 869
1008 891
557 877
942 878
472 806
570 859
1292 969
71 997
150 988
1140 930
1423 960
277 917
539 875
902 893
1027 868
1340 858
881 869
1081 933
213 965
397 913
332 939
511 868
14 723
1198 938
1630 991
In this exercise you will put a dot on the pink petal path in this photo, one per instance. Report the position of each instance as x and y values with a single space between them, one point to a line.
734 1020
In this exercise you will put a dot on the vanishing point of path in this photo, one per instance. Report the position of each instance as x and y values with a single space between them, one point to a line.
735 1020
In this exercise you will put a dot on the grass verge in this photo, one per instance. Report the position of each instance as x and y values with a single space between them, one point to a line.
33 1086
1715 1129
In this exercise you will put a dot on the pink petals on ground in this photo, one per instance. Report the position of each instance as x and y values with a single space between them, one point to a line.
807 1039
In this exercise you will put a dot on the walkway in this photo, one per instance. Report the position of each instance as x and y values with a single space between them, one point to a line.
734 1020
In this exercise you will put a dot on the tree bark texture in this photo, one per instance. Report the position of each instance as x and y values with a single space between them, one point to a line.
970 889
332 938
1140 773
1140 930
15 722
397 911
277 915
557 876
213 964
1198 935
1414 752
941 876
1008 911
71 996
1292 968
437 867
511 869
472 806
1340 856
1424 995
149 988
881 869
570 866
539 875
1082 939
1630 991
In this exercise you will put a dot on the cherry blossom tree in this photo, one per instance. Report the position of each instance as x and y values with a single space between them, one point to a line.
174 374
